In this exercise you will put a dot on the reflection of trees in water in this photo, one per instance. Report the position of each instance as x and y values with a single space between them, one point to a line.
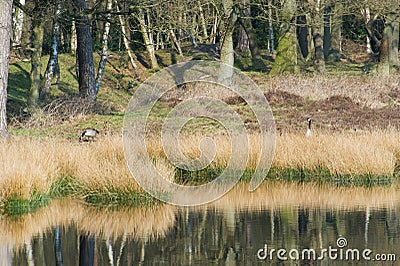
229 231
211 235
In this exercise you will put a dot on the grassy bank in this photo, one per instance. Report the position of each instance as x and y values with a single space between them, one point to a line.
36 170
94 172
44 160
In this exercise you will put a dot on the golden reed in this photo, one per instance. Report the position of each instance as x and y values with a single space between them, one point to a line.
30 165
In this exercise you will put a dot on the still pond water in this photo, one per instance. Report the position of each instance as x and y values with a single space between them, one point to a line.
242 228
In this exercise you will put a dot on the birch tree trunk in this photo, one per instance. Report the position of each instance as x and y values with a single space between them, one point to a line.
271 45
104 52
175 41
213 35
36 62
73 37
86 78
126 41
147 42
18 24
5 35
367 20
52 64
202 20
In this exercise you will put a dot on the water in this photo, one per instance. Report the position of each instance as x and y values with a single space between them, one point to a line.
231 231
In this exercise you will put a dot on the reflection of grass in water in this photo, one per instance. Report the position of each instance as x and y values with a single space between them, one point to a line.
323 175
191 178
156 221
105 223
281 194
17 206
318 175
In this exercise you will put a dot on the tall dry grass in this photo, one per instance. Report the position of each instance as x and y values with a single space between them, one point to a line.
372 153
29 166
348 153
33 165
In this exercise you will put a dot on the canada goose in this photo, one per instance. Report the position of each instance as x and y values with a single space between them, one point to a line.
308 133
88 134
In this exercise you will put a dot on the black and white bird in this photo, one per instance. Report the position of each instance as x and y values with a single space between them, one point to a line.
308 132
88 134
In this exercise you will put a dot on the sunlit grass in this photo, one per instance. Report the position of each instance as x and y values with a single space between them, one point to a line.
373 153
97 172
342 153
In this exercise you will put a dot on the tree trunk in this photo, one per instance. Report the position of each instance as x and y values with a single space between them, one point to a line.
373 42
271 45
18 25
310 38
86 79
65 38
147 41
36 62
202 20
175 41
73 43
125 38
319 61
53 59
58 247
336 32
248 27
287 51
227 52
367 20
384 51
327 31
302 35
104 52
5 35
242 46
394 43
26 37
193 31
213 35
86 250
317 23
